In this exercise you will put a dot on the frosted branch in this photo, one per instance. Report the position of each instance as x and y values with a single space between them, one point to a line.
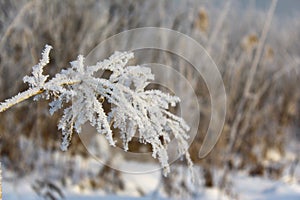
134 109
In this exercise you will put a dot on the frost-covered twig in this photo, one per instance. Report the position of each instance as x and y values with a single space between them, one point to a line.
134 110
19 98
36 82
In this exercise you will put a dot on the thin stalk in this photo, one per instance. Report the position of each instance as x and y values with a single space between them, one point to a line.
19 98
30 93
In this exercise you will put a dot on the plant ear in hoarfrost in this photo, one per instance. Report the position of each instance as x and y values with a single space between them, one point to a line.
134 110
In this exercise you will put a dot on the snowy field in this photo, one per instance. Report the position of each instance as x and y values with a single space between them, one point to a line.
243 187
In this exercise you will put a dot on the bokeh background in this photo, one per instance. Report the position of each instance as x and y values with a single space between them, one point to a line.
257 52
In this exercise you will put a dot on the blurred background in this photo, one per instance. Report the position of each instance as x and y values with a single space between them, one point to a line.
256 46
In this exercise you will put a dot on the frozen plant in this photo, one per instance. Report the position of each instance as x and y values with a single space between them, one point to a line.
134 110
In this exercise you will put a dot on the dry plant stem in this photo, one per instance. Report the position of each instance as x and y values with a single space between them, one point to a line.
255 101
15 21
246 94
249 113
260 47
241 111
218 26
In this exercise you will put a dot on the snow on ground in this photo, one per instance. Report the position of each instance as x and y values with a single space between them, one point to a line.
244 186
259 188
